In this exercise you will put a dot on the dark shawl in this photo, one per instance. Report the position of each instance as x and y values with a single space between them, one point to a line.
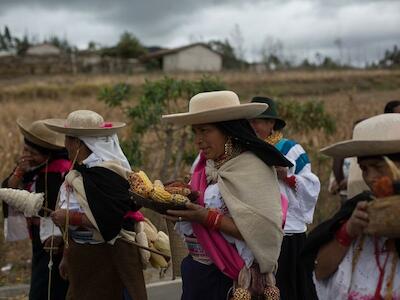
243 134
108 197
325 232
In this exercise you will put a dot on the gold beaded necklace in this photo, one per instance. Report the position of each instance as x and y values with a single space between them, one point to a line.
274 138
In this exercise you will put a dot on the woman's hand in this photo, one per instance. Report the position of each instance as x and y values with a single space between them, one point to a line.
59 217
57 244
194 213
63 268
24 163
281 172
358 220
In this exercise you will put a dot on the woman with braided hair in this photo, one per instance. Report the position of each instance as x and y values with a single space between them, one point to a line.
41 168
349 258
301 187
233 232
93 208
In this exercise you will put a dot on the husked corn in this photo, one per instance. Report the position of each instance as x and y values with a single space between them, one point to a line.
178 190
180 199
148 184
161 195
158 183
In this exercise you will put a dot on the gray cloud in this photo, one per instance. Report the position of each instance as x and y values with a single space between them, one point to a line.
366 26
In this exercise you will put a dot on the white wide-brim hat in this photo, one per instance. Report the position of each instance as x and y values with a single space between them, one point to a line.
37 133
81 123
212 107
378 135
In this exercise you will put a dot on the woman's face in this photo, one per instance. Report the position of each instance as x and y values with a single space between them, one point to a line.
72 144
263 127
209 139
396 109
373 169
34 157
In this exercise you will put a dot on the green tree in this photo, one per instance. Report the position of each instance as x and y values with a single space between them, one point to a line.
229 58
391 58
7 41
128 46
23 45
62 44
306 116
150 138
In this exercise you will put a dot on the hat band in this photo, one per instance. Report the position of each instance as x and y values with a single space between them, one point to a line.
102 125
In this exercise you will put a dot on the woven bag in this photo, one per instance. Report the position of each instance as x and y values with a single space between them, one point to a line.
384 217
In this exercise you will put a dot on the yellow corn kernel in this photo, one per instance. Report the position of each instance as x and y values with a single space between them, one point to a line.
178 190
148 184
180 199
158 183
161 195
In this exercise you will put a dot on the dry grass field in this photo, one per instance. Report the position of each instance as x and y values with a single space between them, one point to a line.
347 95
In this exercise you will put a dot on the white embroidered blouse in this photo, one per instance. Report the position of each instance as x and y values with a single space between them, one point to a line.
361 284
213 199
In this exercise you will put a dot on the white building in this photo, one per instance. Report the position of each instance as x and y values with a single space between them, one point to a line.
43 50
5 53
194 57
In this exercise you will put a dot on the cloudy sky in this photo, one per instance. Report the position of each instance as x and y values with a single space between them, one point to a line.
353 30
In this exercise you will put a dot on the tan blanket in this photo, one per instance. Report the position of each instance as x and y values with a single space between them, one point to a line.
74 179
251 192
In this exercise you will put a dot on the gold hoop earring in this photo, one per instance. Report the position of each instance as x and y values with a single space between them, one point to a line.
228 147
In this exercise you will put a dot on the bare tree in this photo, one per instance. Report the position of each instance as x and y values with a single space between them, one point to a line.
338 42
272 53
238 42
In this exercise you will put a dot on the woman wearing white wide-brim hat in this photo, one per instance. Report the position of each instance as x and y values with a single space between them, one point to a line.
41 168
94 202
235 227
351 258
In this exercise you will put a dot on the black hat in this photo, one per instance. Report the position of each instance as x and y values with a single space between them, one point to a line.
270 113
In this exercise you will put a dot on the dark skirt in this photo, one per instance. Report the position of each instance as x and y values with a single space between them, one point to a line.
103 271
200 281
40 271
292 278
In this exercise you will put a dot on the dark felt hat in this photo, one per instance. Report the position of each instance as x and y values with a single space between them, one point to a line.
270 113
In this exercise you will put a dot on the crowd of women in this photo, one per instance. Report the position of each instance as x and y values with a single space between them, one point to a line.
245 233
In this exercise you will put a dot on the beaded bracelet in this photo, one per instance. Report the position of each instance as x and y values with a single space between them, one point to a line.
214 219
217 222
75 218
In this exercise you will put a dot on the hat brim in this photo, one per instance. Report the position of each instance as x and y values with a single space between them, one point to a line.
58 126
30 136
362 148
243 111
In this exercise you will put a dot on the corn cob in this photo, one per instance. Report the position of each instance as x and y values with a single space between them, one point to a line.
139 226
151 225
271 293
160 195
150 232
158 183
179 199
241 294
178 190
140 183
148 184
162 243
157 261
141 239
